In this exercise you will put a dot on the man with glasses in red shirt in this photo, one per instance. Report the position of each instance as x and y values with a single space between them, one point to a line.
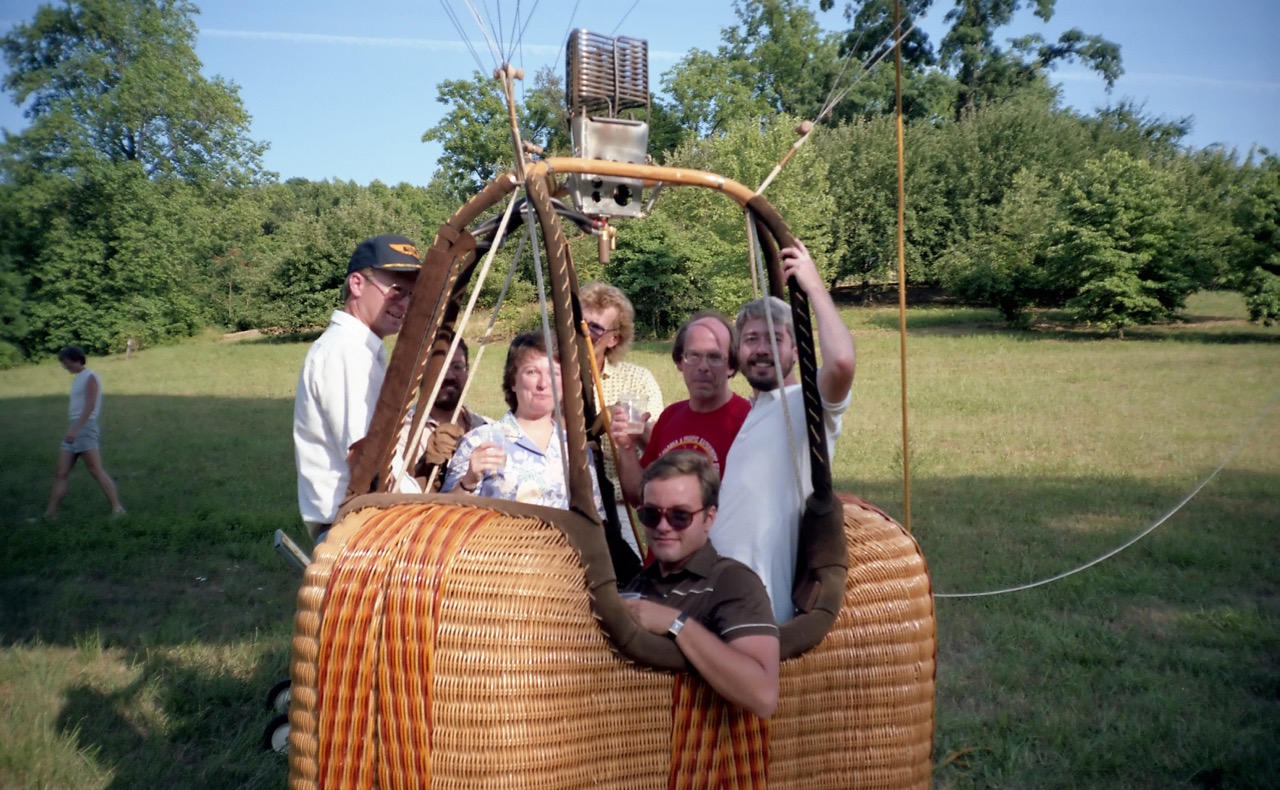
715 608
343 373
706 354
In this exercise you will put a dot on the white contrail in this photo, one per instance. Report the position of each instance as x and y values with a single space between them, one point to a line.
357 41
1153 78
431 44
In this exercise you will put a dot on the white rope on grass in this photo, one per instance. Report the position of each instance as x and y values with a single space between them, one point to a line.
1239 445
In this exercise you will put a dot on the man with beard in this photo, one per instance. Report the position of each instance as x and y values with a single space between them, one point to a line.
343 373
706 356
443 430
768 464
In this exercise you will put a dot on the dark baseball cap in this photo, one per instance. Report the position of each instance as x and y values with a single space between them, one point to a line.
388 252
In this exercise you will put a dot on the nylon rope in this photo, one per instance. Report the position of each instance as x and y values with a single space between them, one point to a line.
902 273
1232 453
832 100
624 18
777 372
420 423
493 321
457 26
560 435
565 38
494 49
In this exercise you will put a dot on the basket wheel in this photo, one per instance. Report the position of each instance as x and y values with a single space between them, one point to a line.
279 696
275 737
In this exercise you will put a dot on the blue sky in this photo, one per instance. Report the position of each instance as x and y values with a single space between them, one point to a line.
344 89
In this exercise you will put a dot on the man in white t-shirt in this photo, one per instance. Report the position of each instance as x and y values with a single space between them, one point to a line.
343 373
767 471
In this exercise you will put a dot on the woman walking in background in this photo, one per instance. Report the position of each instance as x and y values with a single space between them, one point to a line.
81 439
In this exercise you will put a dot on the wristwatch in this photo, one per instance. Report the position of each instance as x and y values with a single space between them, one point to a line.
677 625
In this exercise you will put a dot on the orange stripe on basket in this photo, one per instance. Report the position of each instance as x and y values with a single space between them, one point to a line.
714 744
353 691
345 687
381 612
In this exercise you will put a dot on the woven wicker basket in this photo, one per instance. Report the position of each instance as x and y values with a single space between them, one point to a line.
447 645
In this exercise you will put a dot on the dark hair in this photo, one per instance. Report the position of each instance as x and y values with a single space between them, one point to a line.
521 346
679 463
677 348
72 354
444 338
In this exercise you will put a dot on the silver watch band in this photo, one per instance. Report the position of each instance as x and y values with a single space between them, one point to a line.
677 625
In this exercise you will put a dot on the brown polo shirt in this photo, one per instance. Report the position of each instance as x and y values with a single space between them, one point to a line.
723 594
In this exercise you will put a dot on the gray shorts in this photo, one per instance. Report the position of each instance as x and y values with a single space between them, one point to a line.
87 439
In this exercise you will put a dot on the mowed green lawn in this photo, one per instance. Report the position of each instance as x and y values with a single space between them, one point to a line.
137 652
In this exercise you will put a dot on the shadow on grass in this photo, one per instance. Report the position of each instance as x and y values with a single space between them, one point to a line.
213 721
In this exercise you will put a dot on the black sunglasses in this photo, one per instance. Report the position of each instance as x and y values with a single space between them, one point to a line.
677 517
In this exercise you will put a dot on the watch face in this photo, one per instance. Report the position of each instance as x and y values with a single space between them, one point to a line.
677 624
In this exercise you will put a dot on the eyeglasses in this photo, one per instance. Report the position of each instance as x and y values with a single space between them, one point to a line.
714 359
395 291
597 331
677 517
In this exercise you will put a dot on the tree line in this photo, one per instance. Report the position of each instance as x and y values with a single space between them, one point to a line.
135 204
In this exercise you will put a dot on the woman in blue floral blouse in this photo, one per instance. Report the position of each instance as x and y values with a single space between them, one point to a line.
521 456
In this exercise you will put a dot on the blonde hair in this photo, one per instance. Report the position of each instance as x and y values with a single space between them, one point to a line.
602 296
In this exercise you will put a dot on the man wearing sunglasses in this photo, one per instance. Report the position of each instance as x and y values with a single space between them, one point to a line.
343 372
768 471
714 608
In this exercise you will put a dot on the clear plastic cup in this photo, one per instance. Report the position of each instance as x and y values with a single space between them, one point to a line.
634 406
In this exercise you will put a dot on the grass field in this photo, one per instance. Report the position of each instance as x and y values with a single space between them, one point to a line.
137 652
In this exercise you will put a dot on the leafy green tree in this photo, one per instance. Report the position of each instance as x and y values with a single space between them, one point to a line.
1116 246
475 133
862 163
708 92
107 186
657 279
1255 268
775 60
711 230
1127 126
307 257
1004 267
959 173
985 72
119 81
114 262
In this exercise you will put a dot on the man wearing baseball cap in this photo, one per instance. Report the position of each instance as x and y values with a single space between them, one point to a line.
343 372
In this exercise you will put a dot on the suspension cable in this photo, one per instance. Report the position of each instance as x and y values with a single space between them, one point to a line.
457 26
1232 453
